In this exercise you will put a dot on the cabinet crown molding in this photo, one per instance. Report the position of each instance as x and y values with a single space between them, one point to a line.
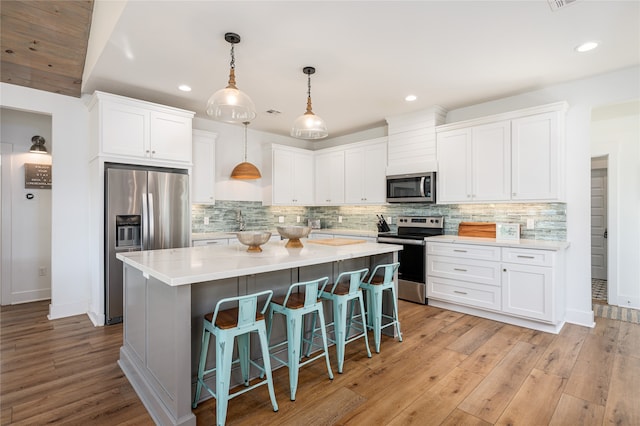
562 106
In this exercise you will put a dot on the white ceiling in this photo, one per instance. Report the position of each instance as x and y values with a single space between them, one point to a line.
368 54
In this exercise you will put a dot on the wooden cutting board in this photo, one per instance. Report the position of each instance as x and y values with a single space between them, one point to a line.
477 229
336 241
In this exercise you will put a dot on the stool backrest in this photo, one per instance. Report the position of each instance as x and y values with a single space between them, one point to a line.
389 270
355 278
247 307
311 290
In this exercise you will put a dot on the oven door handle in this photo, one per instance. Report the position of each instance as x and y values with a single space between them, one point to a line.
401 241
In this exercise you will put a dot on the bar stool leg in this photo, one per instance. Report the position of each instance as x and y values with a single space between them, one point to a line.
264 344
364 326
339 314
376 314
294 339
201 365
324 342
224 352
395 313
243 353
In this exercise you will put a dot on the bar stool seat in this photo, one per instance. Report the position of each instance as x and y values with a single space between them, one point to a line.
301 299
343 294
381 280
234 324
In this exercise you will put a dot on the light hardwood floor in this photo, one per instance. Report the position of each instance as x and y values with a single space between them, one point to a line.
451 369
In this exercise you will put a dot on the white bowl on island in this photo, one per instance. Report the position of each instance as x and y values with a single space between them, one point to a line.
293 234
253 239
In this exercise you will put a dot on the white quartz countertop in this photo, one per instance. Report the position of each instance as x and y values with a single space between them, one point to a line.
206 263
529 244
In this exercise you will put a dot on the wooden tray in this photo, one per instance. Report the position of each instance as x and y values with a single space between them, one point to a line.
336 241
477 229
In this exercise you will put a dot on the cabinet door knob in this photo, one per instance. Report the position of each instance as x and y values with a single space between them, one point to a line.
504 270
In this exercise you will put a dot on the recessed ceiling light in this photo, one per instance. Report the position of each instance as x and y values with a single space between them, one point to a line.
585 47
411 98
184 88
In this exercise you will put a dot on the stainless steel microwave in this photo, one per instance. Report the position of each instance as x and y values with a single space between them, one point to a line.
412 188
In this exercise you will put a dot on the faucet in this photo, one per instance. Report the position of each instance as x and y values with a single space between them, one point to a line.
240 220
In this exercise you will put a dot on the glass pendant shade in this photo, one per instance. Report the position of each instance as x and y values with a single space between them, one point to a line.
309 125
245 170
230 104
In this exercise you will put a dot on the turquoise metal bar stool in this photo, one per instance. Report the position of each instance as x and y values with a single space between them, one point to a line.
227 325
343 292
379 281
301 299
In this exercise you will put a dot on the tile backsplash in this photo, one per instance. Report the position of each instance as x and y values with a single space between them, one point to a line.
550 219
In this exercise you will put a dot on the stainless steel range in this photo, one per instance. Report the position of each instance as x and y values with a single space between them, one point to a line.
412 274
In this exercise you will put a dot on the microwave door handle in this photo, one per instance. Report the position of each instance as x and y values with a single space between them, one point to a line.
422 182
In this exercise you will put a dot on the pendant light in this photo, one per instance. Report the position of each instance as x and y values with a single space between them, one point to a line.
245 170
230 104
37 145
309 125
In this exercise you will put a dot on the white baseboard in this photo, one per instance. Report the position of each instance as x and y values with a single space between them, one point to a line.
96 318
67 310
583 318
30 296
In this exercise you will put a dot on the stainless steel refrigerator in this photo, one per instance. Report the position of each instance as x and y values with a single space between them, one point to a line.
146 208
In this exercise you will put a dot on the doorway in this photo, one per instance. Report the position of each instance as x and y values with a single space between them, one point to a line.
599 252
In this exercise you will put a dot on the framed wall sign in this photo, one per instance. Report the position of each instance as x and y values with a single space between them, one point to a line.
37 176
507 231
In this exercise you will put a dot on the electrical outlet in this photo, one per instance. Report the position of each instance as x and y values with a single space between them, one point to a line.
390 221
42 271
339 219
280 219
206 220
531 224
298 219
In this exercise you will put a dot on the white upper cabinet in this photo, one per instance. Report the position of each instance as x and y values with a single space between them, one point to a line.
518 158
365 176
535 158
329 177
474 164
292 177
453 179
204 171
137 130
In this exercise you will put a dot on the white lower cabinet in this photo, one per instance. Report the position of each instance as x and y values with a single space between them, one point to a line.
505 282
213 242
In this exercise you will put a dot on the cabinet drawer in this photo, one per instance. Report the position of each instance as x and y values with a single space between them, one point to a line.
468 251
216 242
528 256
480 271
478 295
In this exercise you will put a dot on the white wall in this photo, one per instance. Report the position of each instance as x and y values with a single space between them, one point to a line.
26 224
615 133
583 96
70 260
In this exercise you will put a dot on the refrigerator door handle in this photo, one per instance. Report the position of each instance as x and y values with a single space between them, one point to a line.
145 223
152 243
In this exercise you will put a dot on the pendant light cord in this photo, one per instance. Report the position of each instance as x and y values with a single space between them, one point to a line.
246 123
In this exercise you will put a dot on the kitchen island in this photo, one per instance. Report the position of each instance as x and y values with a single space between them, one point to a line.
167 292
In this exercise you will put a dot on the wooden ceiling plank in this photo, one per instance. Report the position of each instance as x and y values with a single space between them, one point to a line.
50 82
27 32
65 17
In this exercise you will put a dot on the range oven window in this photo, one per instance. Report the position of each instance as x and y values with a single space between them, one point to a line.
412 263
411 188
